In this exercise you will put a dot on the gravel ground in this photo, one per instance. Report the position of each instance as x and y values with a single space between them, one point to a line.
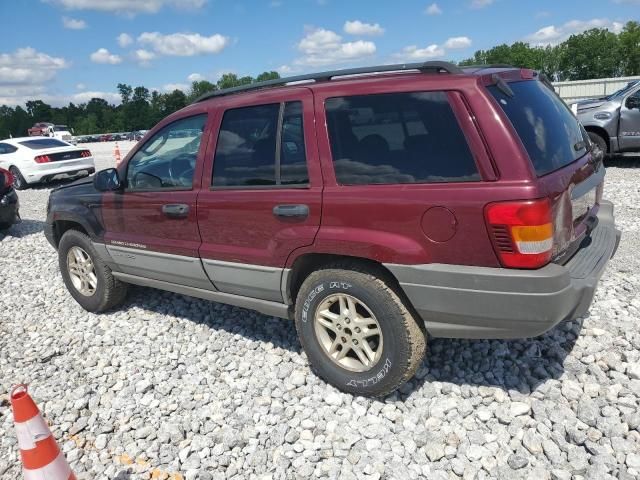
174 387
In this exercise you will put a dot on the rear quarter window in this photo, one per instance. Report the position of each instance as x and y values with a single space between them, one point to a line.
42 143
398 138
550 133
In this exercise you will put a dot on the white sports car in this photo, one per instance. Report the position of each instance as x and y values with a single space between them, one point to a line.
41 159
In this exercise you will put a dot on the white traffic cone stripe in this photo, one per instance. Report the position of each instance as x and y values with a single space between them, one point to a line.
32 431
56 470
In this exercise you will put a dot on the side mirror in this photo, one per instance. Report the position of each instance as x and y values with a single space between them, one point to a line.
107 180
633 102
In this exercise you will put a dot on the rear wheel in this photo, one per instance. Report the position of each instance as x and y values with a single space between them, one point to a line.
356 331
86 276
599 145
19 183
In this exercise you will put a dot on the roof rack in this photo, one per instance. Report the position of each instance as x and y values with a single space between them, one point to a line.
424 67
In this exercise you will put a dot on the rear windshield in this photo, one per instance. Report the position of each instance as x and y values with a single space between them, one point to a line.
550 133
42 143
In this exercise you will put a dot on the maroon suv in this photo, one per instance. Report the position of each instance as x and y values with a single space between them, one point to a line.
375 206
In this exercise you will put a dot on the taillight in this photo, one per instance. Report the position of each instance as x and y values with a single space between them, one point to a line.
42 159
522 232
85 153
6 178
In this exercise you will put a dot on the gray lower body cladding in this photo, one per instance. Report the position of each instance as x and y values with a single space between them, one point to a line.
479 302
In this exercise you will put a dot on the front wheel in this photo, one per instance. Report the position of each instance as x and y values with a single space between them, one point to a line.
86 276
599 145
356 332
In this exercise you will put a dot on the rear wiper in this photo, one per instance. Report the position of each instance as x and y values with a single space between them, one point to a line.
502 85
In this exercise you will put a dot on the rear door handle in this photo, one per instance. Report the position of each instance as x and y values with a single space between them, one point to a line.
290 211
176 210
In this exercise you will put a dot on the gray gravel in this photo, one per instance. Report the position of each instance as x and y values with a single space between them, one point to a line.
175 387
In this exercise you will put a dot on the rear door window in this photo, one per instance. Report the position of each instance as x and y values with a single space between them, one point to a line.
261 146
548 130
398 138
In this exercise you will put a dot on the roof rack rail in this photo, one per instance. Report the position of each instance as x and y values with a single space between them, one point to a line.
424 67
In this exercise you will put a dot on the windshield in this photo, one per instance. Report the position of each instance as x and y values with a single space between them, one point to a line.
42 143
622 91
60 128
548 130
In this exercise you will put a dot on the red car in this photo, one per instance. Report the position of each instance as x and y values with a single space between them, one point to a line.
374 206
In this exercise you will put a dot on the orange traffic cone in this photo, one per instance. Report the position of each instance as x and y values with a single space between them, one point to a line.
41 457
116 153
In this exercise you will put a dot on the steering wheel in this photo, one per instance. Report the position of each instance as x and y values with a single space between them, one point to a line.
180 169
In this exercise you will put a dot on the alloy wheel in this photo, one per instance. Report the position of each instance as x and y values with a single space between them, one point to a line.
348 332
82 272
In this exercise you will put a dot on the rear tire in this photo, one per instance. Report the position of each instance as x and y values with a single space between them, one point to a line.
387 360
19 183
599 145
104 291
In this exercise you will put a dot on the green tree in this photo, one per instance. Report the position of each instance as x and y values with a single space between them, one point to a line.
630 48
199 88
267 76
125 92
591 54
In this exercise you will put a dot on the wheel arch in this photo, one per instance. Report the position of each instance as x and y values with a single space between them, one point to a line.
308 263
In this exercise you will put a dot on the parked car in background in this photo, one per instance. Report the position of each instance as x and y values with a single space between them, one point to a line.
137 135
373 209
41 159
9 204
45 129
107 137
613 123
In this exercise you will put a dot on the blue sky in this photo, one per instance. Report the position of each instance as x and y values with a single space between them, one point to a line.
70 50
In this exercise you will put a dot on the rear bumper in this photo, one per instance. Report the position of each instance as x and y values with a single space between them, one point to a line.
480 302
53 170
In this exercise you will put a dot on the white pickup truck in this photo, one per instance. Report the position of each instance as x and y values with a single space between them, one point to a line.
45 129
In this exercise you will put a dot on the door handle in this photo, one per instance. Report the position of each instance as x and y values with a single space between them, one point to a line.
175 210
290 211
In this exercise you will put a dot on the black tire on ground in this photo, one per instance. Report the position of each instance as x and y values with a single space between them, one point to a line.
19 183
109 292
403 344
5 226
599 143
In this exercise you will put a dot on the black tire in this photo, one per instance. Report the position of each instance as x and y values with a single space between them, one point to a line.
19 183
109 292
599 145
5 226
403 345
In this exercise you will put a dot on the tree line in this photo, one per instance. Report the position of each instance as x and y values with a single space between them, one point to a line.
595 53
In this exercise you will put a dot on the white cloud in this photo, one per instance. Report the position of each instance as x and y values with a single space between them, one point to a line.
356 27
19 96
183 44
81 86
457 42
412 52
433 9
325 47
275 3
476 4
73 23
170 87
552 34
195 77
26 66
143 57
128 7
102 55
542 14
124 40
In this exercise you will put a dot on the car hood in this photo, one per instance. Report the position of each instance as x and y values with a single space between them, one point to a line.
591 103
81 186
